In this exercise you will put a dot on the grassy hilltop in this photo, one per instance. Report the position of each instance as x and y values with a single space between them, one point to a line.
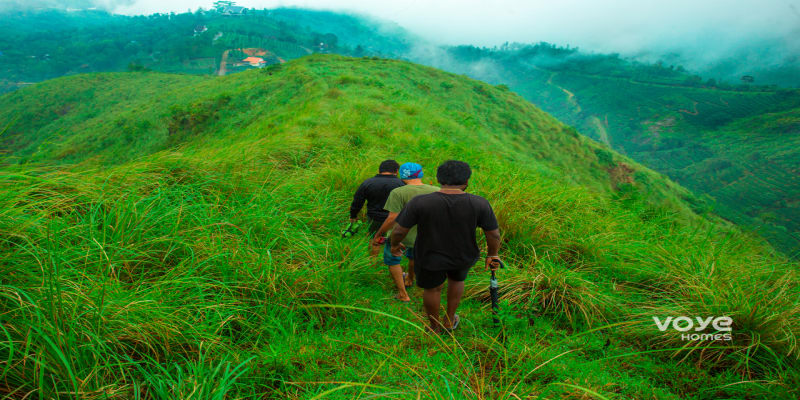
171 236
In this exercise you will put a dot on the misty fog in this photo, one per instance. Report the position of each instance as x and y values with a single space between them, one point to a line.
719 39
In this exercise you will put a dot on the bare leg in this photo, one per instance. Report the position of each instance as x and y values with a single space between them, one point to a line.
397 276
454 292
410 275
431 300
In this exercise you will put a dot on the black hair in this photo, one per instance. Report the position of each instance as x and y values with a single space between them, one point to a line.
389 166
453 173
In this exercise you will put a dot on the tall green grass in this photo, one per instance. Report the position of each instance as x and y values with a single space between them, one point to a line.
214 269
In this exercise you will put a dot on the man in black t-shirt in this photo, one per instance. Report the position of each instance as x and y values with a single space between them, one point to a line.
446 247
375 191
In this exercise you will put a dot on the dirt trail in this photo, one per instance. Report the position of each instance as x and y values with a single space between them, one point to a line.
600 127
571 98
223 64
570 95
695 112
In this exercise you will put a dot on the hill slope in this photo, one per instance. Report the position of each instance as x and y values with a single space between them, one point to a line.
662 116
40 45
180 239
668 120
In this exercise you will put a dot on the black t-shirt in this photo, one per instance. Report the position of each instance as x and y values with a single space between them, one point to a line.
446 226
374 191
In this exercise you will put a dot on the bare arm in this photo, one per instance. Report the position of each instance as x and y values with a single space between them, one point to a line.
492 242
398 234
387 225
492 245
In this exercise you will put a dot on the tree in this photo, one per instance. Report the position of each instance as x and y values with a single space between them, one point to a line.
134 67
220 4
330 40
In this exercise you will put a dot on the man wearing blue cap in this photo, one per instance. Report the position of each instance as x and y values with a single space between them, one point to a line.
411 174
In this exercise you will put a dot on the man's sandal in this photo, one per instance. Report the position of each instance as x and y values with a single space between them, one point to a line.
456 320
404 281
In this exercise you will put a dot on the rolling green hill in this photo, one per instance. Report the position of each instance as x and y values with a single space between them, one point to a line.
661 116
738 147
172 236
735 144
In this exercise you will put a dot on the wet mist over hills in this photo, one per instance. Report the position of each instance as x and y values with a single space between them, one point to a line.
714 39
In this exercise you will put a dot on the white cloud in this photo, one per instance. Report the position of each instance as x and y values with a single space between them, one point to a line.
622 25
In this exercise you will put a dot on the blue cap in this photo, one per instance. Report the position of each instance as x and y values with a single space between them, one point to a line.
410 170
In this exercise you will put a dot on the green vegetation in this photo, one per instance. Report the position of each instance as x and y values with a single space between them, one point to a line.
661 116
40 45
753 173
175 236
736 146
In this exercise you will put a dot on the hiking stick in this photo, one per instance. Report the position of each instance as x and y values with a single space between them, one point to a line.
494 289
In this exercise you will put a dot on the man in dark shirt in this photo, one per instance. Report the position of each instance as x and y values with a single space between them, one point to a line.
375 191
446 247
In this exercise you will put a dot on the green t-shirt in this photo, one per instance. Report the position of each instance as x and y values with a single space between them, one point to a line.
398 199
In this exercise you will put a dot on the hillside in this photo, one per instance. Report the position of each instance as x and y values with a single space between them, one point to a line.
171 236
692 130
45 44
664 117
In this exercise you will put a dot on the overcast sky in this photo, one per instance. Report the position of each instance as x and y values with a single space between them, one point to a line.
624 26
619 25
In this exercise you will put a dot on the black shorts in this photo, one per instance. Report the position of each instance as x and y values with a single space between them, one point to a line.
428 279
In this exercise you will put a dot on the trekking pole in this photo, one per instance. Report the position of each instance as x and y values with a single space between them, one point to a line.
494 289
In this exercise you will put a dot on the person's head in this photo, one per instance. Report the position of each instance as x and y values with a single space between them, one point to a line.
410 171
388 167
453 173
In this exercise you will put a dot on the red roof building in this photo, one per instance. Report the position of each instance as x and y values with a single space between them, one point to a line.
255 61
